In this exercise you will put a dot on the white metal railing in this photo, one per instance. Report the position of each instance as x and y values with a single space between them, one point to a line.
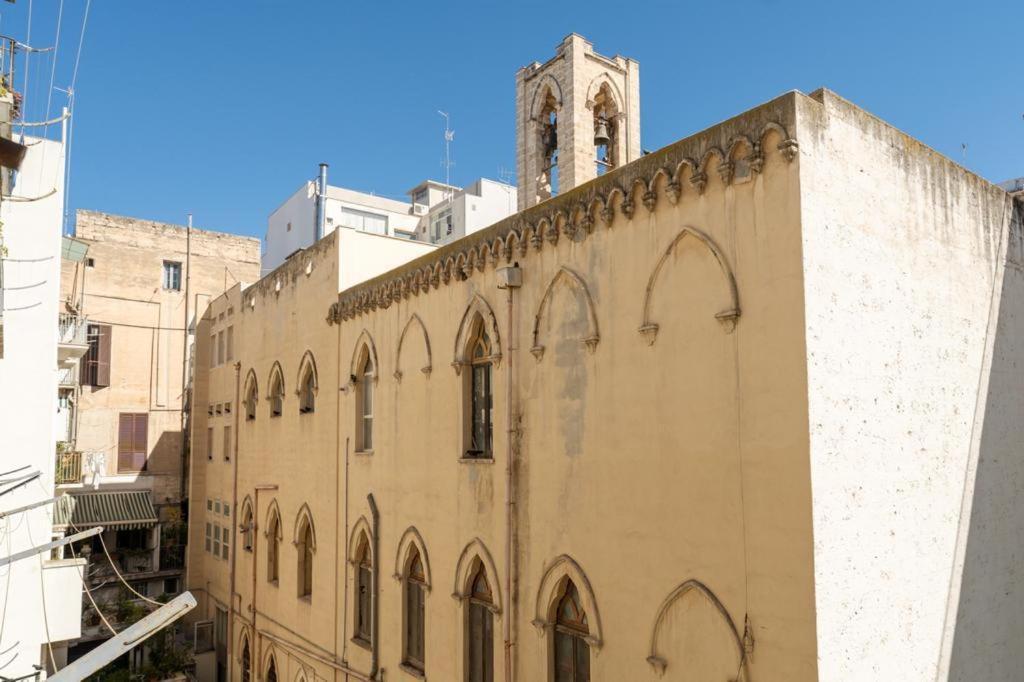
71 329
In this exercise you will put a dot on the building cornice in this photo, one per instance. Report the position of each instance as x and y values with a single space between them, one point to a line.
667 174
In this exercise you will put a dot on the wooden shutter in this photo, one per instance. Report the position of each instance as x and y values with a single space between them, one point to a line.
103 355
132 436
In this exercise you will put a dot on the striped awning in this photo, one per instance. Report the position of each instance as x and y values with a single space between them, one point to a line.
121 510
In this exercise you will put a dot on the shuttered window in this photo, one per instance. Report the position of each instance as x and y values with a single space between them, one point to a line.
96 362
132 432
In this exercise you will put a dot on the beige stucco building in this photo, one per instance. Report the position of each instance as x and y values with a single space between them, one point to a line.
745 408
122 466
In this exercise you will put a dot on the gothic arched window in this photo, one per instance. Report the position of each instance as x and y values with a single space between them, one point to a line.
479 396
571 651
305 556
276 393
364 401
480 629
415 587
247 526
364 592
273 547
251 397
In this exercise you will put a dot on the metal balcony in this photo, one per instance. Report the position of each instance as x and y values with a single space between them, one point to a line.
69 468
72 341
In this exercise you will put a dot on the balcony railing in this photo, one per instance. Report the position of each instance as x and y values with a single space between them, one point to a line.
69 468
71 329
172 557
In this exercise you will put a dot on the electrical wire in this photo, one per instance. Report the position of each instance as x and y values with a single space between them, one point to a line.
42 595
53 66
71 124
7 585
116 572
88 593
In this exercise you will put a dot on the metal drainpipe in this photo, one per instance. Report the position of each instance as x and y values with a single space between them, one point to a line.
321 202
375 648
510 279
234 520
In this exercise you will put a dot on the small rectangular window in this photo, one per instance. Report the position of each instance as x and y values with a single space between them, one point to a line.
209 451
90 262
213 351
216 540
224 544
209 505
172 275
230 344
132 441
209 535
227 447
220 347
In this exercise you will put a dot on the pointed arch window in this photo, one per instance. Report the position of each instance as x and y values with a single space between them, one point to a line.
479 398
571 651
480 629
273 547
248 527
272 670
307 391
246 661
251 398
364 402
415 613
276 395
305 557
364 592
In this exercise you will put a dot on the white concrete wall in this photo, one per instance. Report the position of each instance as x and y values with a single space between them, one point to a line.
900 250
985 616
300 210
28 405
363 255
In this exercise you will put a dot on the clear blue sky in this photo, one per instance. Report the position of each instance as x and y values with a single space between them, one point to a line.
224 108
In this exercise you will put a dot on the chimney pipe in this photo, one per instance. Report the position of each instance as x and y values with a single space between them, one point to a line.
321 202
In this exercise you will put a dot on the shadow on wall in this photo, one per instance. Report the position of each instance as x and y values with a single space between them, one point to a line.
989 636
164 463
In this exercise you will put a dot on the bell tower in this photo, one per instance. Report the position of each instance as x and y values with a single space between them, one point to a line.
577 117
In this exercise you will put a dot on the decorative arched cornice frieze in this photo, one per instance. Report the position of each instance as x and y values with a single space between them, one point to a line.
303 517
476 550
426 369
576 284
552 588
359 530
728 316
613 194
546 84
478 306
307 363
412 538
658 660
278 373
273 513
365 340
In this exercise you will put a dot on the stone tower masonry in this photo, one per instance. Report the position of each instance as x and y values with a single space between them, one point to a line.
571 95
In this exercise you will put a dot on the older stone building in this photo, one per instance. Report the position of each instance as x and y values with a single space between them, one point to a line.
744 408
141 285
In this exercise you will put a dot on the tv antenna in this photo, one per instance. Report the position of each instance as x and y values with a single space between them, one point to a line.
449 137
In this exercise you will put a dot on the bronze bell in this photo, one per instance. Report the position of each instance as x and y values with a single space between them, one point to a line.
601 136
550 139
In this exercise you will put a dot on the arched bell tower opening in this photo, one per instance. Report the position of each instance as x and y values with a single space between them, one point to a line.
577 117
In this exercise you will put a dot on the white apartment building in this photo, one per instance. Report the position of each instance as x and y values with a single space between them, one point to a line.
435 214
454 214
40 595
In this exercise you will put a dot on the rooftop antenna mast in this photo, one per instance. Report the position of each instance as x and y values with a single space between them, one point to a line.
449 137
507 177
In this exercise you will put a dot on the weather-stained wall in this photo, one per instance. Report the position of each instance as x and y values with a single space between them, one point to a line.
121 286
648 379
910 279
